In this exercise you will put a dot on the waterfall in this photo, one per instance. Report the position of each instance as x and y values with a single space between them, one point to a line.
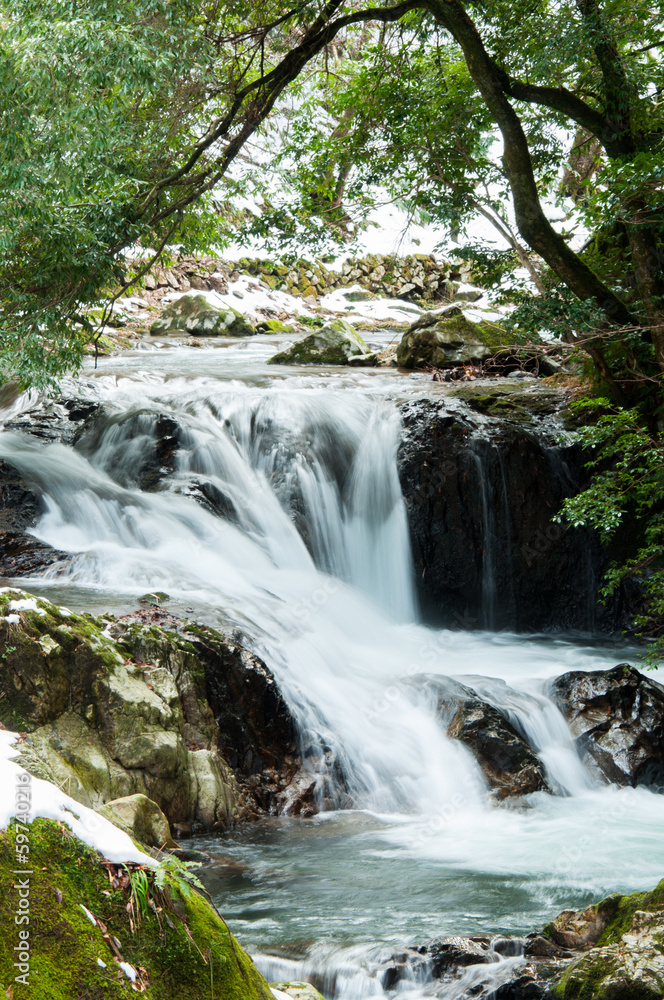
282 511
273 505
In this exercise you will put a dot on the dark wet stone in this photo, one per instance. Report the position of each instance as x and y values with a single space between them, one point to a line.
617 719
510 766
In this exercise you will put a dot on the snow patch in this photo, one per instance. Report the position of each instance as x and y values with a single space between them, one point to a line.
30 604
252 295
129 970
49 802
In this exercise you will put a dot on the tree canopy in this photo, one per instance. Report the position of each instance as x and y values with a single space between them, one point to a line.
119 121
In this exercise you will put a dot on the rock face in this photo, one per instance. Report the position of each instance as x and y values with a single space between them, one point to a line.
443 341
107 722
91 954
257 734
114 709
21 506
510 766
482 476
334 344
617 719
194 316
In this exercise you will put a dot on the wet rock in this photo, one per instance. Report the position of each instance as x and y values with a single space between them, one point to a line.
454 952
435 342
524 987
257 734
333 344
195 316
141 818
482 478
23 555
509 765
139 447
617 719
21 505
60 420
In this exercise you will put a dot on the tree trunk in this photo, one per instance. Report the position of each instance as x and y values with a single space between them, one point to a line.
532 223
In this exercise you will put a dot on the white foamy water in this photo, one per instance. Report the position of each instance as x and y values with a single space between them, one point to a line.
311 559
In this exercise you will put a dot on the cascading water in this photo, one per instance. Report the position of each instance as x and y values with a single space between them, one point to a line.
300 539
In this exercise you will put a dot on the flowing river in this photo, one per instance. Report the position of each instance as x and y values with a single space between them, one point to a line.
312 562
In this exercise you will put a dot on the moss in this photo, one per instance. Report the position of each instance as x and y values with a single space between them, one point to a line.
519 401
65 947
625 907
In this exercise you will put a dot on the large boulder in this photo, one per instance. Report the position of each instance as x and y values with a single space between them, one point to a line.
194 316
444 340
110 719
508 763
334 344
617 719
482 476
149 705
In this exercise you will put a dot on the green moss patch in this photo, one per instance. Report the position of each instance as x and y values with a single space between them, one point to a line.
186 950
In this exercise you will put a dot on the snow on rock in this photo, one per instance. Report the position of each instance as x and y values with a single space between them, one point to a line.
398 310
129 970
29 604
248 295
49 802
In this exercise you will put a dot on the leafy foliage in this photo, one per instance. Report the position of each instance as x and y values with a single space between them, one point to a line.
628 483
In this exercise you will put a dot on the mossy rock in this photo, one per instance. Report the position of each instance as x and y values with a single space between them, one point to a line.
333 344
518 401
627 962
274 326
195 316
187 952
360 296
447 340
108 716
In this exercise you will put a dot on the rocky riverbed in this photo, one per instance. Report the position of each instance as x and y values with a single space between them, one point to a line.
305 565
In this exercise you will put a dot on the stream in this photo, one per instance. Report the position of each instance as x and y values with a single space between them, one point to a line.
312 562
